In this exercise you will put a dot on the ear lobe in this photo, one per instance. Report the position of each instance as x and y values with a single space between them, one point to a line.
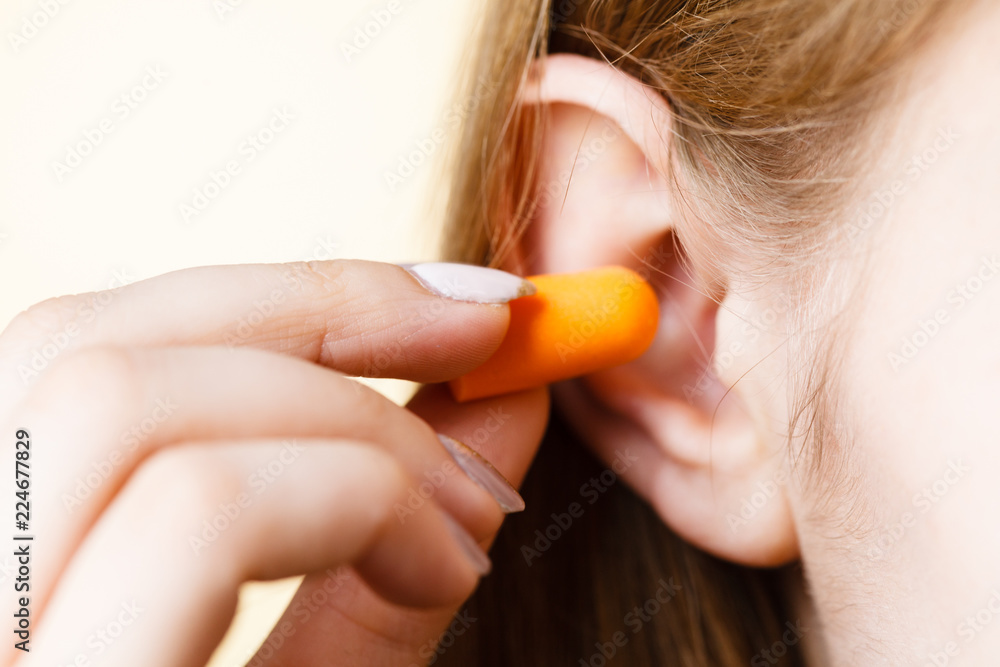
707 457
708 460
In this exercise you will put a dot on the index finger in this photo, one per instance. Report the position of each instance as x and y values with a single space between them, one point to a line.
427 323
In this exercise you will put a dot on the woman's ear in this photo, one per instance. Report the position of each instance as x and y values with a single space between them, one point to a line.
694 425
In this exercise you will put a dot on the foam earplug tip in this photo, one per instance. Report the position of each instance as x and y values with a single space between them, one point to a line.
574 324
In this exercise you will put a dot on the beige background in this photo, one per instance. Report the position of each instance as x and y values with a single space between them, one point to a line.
318 190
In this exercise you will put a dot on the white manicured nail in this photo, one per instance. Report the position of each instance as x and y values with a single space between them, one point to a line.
468 282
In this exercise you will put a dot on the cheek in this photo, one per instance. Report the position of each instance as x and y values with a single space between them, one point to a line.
920 390
929 368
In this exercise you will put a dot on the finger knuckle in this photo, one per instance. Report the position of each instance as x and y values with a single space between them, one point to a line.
180 487
96 381
386 479
40 322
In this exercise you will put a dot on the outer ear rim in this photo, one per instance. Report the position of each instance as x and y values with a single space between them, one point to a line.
593 84
646 121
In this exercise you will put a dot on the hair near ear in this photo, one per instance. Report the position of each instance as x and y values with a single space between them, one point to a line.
763 92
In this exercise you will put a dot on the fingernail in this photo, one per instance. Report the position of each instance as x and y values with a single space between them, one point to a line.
484 474
473 552
468 282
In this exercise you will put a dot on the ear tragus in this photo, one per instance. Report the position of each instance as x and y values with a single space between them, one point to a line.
704 440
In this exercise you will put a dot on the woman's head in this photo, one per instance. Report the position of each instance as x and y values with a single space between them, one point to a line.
809 185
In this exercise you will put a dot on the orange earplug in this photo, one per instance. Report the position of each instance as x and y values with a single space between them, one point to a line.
574 324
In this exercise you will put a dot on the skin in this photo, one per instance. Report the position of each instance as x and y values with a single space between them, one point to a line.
223 414
898 545
898 540
926 438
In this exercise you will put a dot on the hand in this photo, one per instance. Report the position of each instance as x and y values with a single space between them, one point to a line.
186 437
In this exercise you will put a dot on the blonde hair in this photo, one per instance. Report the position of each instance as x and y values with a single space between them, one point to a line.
764 94
773 104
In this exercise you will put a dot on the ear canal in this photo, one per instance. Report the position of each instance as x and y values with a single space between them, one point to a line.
701 432
701 457
678 369
574 324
